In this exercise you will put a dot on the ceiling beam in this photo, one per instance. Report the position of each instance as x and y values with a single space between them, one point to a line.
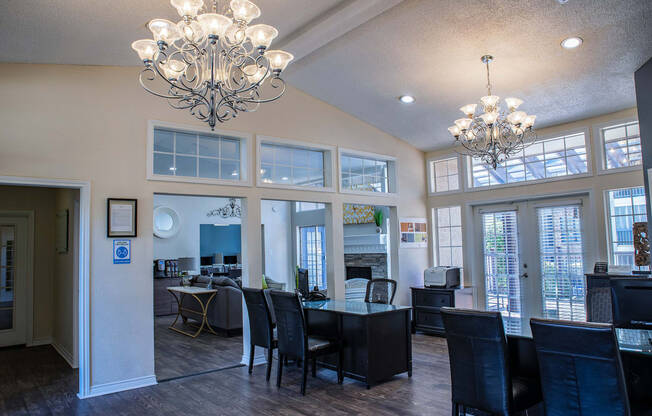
333 24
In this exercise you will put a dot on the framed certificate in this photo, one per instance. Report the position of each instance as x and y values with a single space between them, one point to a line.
121 220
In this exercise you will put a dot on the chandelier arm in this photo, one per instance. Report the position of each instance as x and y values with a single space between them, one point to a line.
151 78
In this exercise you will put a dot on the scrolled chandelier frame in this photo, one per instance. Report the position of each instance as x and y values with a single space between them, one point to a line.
493 136
214 65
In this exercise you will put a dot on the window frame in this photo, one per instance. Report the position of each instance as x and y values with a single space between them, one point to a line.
392 172
589 164
608 217
430 162
329 163
246 141
601 157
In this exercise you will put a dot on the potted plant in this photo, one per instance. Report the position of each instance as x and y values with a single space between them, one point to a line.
378 219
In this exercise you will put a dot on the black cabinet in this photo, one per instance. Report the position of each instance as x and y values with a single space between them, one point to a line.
426 303
164 302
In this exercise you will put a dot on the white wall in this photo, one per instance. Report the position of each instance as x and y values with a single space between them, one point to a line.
89 123
276 216
192 212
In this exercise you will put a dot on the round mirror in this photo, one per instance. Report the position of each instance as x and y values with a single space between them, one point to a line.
166 222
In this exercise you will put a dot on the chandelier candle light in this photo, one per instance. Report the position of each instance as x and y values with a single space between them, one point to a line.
214 65
493 136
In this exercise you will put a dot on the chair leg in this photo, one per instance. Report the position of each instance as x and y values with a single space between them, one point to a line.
279 372
340 375
251 357
305 376
314 367
270 356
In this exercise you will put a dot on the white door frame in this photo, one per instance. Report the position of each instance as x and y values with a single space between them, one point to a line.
84 188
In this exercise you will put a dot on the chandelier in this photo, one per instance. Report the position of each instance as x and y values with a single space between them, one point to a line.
493 136
214 65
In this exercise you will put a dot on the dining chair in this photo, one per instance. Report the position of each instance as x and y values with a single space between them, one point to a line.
261 326
580 368
481 378
380 291
630 303
294 340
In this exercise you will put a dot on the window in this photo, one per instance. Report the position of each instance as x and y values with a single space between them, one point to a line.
308 206
448 226
622 145
444 175
312 254
186 154
626 206
560 156
290 165
367 173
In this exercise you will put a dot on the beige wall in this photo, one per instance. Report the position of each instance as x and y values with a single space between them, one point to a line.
90 123
595 184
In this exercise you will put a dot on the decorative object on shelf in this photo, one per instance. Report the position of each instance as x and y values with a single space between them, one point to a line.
121 217
230 210
61 232
641 244
213 64
378 219
493 136
358 214
167 222
414 232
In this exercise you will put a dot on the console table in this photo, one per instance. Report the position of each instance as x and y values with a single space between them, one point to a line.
179 292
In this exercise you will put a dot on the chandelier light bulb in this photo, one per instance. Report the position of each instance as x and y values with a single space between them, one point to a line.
469 109
454 130
529 121
191 31
164 30
174 69
214 24
244 11
278 60
489 118
489 102
255 73
463 123
261 36
187 7
517 117
145 48
513 103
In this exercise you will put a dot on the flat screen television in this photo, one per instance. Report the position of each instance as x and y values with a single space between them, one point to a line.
206 261
302 284
230 259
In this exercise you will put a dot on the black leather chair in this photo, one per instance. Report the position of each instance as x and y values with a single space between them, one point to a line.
480 365
581 370
261 326
380 291
630 303
293 338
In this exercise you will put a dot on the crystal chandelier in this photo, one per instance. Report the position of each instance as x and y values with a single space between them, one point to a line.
493 136
214 65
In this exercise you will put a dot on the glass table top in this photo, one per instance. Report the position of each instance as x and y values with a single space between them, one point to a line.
352 308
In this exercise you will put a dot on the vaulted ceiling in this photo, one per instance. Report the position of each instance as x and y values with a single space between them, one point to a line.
360 55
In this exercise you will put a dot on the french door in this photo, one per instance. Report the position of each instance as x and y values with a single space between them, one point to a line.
13 245
532 257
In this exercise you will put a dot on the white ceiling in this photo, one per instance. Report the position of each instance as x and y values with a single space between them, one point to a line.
428 48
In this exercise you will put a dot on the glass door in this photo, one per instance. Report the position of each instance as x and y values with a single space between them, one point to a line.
13 232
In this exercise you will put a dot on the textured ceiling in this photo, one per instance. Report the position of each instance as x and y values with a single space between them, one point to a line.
431 49
428 48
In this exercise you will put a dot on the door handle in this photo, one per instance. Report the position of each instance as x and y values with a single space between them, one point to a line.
524 275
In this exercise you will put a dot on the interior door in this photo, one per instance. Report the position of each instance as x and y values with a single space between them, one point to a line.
13 245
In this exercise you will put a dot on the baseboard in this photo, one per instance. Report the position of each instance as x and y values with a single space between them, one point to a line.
259 358
118 386
40 341
63 352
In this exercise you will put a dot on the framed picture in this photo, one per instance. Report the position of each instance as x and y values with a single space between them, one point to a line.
121 217
414 232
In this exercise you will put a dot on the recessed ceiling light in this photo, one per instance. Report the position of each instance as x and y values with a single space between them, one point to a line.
406 99
571 43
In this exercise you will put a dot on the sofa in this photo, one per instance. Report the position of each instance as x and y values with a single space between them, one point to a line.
224 311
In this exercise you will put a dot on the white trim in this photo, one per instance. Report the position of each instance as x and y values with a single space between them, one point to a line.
118 386
598 143
392 172
246 144
64 353
329 163
460 173
37 342
259 357
84 265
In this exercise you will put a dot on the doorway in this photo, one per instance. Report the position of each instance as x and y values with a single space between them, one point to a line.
532 256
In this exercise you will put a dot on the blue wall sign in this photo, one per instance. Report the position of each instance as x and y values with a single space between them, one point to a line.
121 251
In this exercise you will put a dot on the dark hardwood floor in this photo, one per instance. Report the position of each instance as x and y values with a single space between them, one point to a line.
38 381
177 355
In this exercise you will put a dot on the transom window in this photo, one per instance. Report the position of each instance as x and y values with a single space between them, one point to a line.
622 145
626 206
444 175
290 165
196 155
560 156
364 174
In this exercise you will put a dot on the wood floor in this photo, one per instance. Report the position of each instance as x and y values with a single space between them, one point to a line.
177 355
37 381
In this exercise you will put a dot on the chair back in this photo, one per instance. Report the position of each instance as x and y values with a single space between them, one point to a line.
581 370
290 324
479 360
260 319
380 291
630 302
